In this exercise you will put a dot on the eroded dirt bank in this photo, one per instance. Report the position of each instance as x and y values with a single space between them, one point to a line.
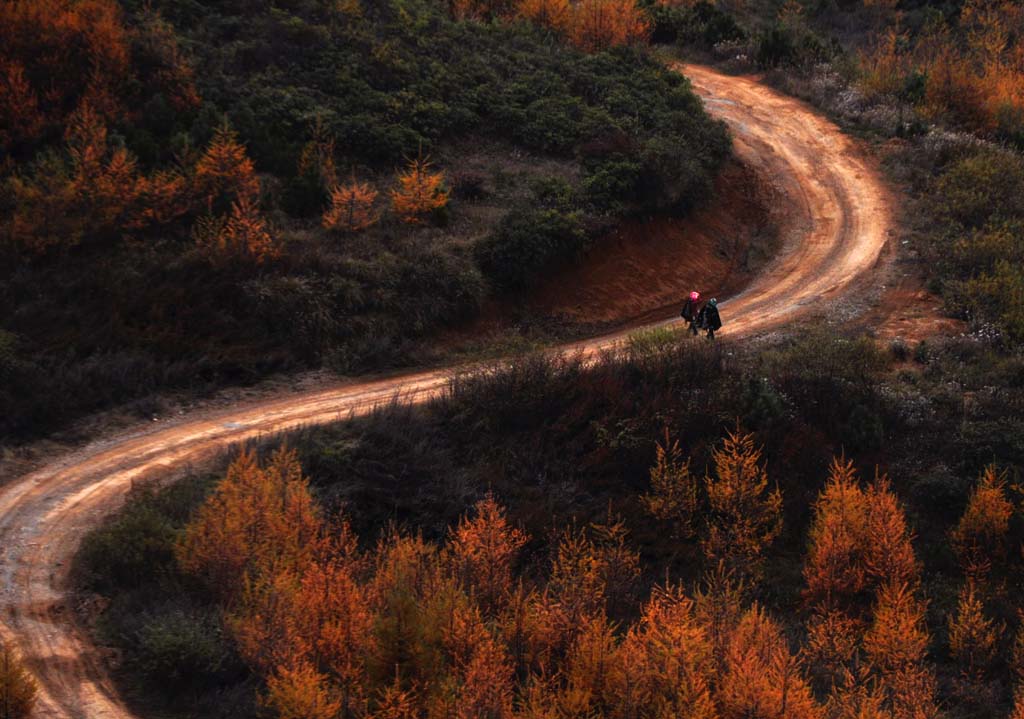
643 269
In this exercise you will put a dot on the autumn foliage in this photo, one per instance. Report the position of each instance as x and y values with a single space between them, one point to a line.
352 207
60 55
554 14
479 623
420 192
410 628
600 24
225 174
674 495
859 540
980 536
973 637
745 513
973 73
260 521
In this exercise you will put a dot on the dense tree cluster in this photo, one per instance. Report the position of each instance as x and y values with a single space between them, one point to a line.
878 619
458 628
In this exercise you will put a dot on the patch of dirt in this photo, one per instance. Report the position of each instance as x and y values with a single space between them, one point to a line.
911 313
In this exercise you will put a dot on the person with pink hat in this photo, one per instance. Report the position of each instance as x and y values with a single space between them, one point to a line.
689 312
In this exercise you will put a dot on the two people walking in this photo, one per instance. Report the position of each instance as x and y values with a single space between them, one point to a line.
701 318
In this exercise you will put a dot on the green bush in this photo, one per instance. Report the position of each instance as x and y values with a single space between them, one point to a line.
139 542
702 25
613 186
783 45
528 243
999 295
980 187
975 238
181 649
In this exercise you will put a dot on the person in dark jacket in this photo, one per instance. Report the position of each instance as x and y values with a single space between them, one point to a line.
709 319
690 311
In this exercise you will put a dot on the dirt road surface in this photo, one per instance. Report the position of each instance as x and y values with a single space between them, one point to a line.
837 218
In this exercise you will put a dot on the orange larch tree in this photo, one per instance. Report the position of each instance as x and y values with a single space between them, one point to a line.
973 637
980 535
159 199
246 234
666 664
224 172
406 571
896 644
260 520
745 514
763 678
353 207
588 669
599 24
487 683
554 14
674 495
718 606
104 182
331 618
832 645
590 578
889 558
482 551
420 191
301 692
839 534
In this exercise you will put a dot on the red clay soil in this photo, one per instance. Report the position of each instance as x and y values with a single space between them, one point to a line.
643 270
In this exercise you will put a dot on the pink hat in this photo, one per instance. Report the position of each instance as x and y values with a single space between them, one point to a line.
695 295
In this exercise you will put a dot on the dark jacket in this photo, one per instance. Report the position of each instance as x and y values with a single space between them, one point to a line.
689 310
709 318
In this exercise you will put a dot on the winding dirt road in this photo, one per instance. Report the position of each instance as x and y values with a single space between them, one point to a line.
836 222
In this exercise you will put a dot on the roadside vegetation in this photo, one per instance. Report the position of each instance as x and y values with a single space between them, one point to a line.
17 688
196 195
525 540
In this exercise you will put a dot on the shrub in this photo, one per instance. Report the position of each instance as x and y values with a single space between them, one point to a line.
551 124
17 688
899 350
979 187
700 24
182 648
140 540
526 244
352 207
785 45
612 187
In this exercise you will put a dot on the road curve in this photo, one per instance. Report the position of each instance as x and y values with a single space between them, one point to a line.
836 222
